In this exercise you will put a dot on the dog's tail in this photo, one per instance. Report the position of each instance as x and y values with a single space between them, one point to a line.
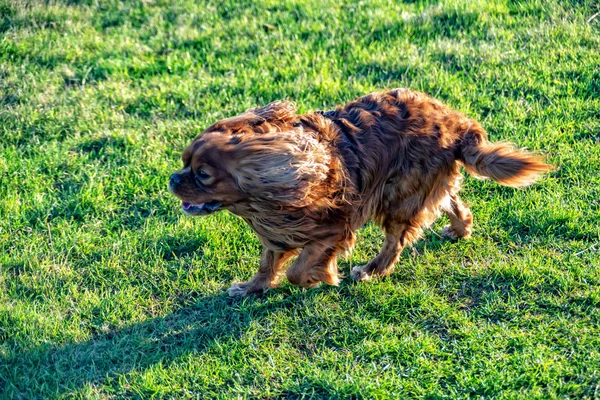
501 162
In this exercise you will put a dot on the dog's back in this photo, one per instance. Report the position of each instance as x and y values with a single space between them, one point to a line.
406 132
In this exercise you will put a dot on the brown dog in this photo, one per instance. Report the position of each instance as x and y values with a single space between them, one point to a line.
305 183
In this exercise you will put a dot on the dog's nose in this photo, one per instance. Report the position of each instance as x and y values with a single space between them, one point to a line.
175 180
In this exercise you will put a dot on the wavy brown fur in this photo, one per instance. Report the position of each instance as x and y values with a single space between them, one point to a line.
305 183
500 161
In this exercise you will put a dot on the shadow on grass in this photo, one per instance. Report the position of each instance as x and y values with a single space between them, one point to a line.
385 74
433 23
54 371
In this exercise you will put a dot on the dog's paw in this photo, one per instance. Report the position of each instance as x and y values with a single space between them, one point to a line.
451 233
311 285
240 290
360 273
236 290
448 232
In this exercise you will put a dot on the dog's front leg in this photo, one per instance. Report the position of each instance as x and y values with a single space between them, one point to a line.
271 264
316 263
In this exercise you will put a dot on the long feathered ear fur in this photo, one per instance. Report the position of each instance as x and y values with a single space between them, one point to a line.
286 167
277 113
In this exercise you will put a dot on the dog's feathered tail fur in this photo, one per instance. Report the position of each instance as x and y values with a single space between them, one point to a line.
501 162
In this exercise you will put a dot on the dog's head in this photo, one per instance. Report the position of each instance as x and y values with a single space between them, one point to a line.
258 156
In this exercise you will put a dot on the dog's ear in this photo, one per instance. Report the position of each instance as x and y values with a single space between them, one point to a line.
284 167
278 113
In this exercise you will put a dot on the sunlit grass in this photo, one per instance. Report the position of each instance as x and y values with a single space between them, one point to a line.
107 290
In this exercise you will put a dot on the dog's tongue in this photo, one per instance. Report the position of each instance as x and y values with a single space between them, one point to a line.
186 206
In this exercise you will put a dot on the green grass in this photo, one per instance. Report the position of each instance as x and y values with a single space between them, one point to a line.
108 291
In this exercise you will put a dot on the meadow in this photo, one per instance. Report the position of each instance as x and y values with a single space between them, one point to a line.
108 291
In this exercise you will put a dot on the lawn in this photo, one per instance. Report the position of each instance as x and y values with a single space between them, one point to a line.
108 291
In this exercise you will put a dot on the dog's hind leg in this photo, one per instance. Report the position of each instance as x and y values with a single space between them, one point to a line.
461 219
271 264
398 236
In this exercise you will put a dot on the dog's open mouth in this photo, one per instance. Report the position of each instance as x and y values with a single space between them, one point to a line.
200 209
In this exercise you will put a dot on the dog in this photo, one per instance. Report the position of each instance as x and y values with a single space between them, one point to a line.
306 183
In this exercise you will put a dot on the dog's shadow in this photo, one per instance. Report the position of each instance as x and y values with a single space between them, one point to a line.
206 323
62 370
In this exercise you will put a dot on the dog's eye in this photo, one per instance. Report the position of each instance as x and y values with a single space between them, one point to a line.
202 175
